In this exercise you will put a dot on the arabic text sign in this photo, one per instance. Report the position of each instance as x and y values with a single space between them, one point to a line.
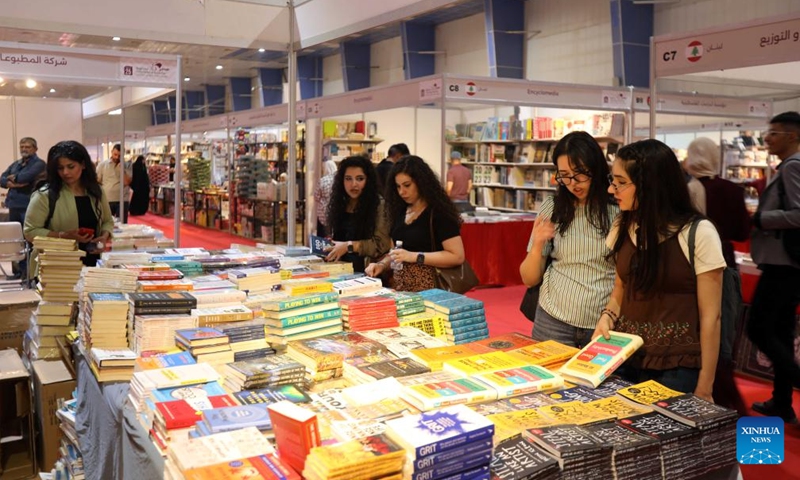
704 105
40 64
768 43
144 70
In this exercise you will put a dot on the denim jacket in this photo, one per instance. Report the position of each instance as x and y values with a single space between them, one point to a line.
29 174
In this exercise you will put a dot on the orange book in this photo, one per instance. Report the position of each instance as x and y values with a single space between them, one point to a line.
509 341
296 432
268 467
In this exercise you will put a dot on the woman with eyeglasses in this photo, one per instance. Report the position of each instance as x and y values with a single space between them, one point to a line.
661 293
571 229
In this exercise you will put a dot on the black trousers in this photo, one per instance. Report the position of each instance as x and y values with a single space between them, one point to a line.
115 210
771 326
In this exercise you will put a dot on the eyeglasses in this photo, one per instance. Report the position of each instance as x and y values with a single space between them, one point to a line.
617 188
577 178
775 132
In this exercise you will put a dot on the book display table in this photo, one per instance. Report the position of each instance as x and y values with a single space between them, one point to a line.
113 442
495 250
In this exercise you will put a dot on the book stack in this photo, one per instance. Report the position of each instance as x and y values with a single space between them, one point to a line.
510 382
183 285
368 313
230 418
145 382
464 318
334 269
115 259
218 298
112 365
154 360
208 317
173 419
153 318
212 284
296 272
70 449
256 280
393 368
446 389
271 371
103 321
248 339
297 318
48 322
375 456
296 432
306 286
600 358
207 345
357 286
59 269
681 450
408 304
436 356
323 357
428 321
444 443
510 423
290 392
117 280
635 456
518 457
549 354
189 268
158 275
209 456
579 453
402 340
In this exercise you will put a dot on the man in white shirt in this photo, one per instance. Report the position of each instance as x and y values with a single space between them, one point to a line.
108 176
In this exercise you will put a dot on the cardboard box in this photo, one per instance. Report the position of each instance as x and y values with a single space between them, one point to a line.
51 382
17 459
15 311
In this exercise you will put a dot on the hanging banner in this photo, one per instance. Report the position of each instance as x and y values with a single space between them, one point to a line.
398 95
260 117
201 125
704 105
763 42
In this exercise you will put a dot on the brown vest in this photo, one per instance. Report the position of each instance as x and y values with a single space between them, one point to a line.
667 318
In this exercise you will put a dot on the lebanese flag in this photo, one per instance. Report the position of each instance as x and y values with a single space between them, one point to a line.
694 51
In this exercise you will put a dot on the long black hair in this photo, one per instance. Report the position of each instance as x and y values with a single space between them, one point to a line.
662 204
76 152
586 157
366 211
428 187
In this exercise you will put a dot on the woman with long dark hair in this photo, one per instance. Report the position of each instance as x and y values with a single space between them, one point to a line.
140 184
356 215
661 293
423 217
571 229
73 204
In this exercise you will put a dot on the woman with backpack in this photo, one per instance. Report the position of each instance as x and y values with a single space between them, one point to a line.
72 205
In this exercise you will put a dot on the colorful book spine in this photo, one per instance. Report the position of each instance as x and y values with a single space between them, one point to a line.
310 318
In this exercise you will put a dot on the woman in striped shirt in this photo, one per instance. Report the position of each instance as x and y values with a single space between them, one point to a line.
571 229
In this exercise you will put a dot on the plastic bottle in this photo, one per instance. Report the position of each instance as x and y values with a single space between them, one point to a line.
397 266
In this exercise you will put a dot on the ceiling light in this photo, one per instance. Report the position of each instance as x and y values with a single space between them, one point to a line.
2 79
30 83
116 39
115 112
219 67
52 90
186 79
262 50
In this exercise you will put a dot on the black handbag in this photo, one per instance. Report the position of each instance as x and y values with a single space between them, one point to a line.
530 301
459 279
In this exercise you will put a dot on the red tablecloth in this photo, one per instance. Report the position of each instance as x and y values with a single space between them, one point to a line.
495 250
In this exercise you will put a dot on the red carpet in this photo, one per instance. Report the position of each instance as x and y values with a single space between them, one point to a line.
502 312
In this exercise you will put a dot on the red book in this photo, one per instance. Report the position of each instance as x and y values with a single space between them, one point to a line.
181 414
296 432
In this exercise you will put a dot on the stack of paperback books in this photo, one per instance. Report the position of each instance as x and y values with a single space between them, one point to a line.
103 321
549 354
635 456
297 318
464 318
681 450
48 322
207 345
153 360
230 418
375 456
409 304
334 269
175 419
579 453
357 286
153 318
306 286
393 368
112 365
402 340
189 268
290 392
70 449
368 313
271 371
446 389
59 268
517 458
158 275
443 443
324 357
118 280
219 298
209 317
247 339
143 383
428 321
183 285
256 280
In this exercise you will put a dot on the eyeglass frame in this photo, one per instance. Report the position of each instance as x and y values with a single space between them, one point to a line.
560 179
776 132
614 185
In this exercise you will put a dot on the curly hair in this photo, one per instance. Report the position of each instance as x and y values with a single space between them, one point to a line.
76 152
366 211
428 186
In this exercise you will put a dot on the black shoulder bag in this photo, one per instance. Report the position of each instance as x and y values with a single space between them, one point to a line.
531 298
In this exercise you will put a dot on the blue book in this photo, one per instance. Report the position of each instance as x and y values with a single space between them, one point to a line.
478 324
166 258
473 335
175 359
480 473
458 305
227 419
453 317
469 462
429 433
319 244
201 429
199 392
200 336
108 297
453 454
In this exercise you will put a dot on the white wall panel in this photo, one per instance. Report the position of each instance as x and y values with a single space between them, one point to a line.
388 57
429 137
10 146
689 15
394 126
48 120
574 45
464 42
332 72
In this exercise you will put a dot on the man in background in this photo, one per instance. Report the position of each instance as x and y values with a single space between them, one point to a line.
21 178
108 175
459 180
396 152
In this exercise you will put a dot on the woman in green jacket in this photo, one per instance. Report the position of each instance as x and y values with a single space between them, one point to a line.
80 211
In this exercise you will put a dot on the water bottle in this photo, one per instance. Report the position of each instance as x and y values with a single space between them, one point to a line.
397 266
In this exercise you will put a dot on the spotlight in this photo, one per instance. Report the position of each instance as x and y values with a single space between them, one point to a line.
30 83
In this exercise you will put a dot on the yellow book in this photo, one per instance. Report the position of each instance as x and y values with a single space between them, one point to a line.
576 413
377 451
509 424
600 358
429 396
306 288
520 380
434 357
648 392
544 353
483 363
619 407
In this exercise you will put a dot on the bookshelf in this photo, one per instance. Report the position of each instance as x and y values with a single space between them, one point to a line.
338 149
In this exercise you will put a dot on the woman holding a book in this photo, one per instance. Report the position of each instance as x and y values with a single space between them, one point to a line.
356 216
668 285
72 205
571 229
424 219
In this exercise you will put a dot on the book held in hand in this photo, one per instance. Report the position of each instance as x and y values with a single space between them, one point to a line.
600 358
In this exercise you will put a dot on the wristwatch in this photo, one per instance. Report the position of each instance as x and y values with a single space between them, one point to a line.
421 258
350 247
